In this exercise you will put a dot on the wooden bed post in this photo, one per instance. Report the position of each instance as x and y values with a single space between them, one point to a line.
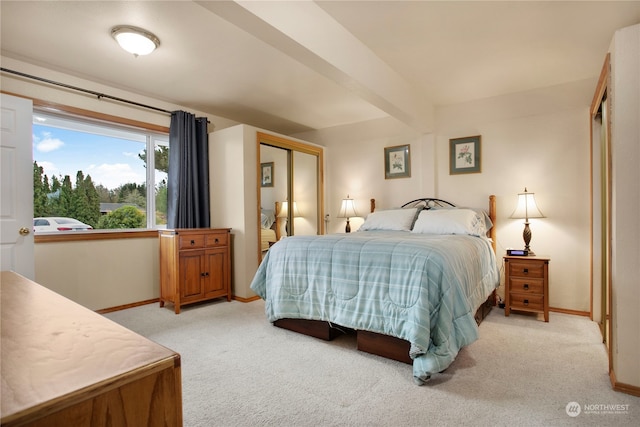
278 223
492 216
492 234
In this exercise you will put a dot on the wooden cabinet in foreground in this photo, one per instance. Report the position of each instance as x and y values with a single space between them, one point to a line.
195 265
65 365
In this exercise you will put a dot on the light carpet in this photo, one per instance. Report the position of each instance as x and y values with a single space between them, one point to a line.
239 370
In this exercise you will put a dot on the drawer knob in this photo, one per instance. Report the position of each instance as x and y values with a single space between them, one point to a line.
525 302
193 242
526 286
525 270
216 240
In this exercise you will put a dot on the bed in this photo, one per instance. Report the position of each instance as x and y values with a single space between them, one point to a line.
267 230
413 282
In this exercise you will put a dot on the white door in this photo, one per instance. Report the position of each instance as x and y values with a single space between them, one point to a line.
16 186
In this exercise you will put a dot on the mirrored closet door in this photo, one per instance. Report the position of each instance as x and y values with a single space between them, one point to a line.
290 196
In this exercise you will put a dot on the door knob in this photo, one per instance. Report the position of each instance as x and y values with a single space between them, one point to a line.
23 231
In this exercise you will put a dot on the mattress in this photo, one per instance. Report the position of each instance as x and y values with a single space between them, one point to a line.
267 235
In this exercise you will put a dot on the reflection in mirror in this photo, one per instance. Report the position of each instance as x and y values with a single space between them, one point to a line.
305 193
273 160
297 181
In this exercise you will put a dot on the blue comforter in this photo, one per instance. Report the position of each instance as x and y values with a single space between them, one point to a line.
422 288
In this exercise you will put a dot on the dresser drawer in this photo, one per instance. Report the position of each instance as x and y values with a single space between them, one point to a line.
217 239
526 301
191 241
526 285
526 268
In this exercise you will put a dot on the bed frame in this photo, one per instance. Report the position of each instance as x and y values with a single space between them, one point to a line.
380 344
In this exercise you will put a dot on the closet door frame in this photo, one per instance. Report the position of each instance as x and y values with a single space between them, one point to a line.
601 231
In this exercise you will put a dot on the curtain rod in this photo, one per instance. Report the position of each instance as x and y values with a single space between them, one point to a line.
91 92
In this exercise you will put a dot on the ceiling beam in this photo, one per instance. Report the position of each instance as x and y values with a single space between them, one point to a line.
308 34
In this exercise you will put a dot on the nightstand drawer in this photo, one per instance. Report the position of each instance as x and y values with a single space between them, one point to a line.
526 268
526 285
526 301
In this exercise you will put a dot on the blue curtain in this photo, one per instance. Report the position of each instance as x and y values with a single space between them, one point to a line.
188 180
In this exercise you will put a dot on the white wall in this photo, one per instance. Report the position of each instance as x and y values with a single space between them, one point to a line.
234 195
100 274
355 167
625 149
538 139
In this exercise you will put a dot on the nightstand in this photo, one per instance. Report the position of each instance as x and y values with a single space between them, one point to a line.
527 284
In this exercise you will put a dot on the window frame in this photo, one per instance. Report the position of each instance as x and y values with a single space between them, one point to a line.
49 107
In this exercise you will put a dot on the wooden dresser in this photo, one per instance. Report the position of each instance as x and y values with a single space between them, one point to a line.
527 284
195 265
64 365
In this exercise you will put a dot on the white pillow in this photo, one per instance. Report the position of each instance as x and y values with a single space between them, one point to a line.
267 218
450 221
390 220
487 220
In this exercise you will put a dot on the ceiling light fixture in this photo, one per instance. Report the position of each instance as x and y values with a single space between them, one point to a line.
135 40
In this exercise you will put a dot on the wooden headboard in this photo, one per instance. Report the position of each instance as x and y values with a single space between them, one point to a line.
429 202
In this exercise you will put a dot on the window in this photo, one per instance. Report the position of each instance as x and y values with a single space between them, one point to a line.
98 173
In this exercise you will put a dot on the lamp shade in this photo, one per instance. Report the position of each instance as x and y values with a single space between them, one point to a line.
135 40
347 208
527 207
284 210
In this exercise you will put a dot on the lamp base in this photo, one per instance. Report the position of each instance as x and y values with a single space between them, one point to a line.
526 235
347 229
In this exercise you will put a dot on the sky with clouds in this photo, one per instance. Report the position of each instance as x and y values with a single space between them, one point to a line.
109 161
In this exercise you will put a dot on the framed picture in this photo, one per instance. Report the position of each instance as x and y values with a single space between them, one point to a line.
266 175
397 162
464 155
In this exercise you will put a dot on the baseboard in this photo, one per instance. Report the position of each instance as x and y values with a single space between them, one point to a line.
151 301
123 307
622 387
572 312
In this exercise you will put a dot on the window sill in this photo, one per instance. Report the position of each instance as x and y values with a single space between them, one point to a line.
95 235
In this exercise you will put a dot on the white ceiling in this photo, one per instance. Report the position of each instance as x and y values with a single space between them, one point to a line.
294 66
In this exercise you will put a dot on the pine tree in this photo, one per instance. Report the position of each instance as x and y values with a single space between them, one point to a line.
105 195
65 204
40 191
84 201
134 194
47 188
93 200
